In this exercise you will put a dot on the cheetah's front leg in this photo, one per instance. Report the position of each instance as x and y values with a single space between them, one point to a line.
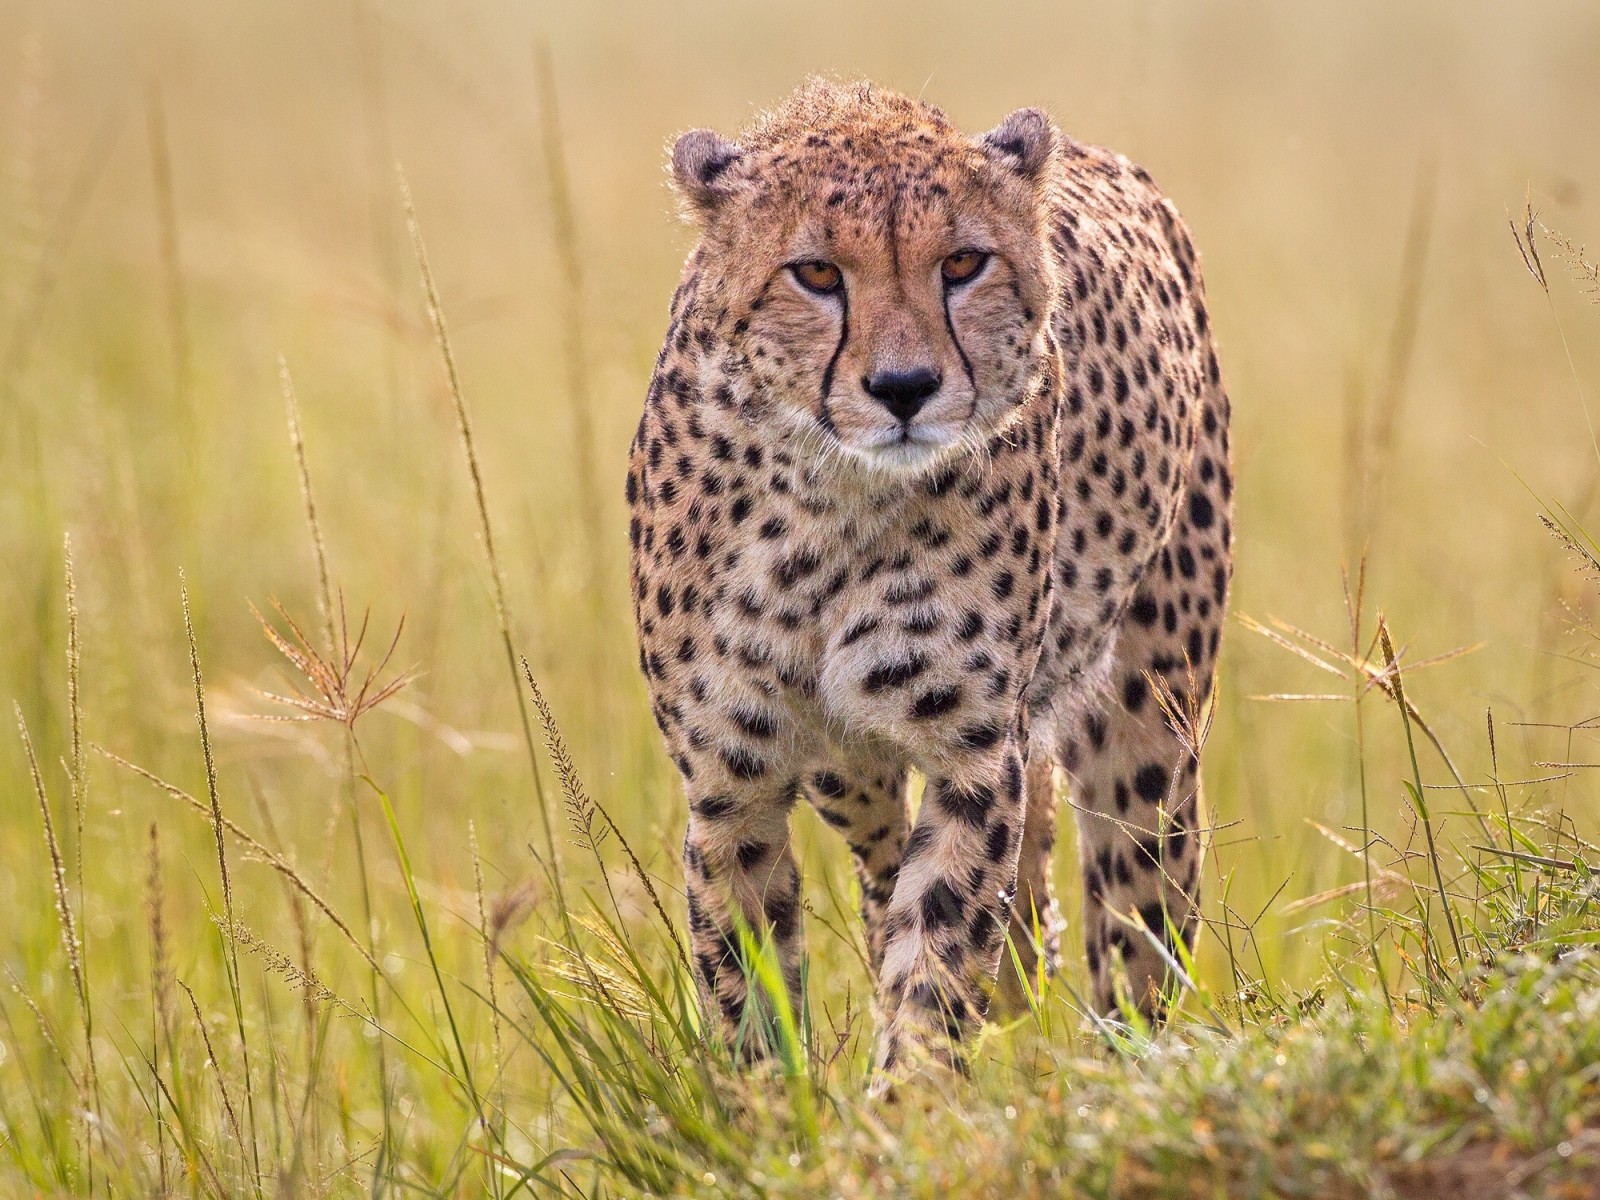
738 868
950 907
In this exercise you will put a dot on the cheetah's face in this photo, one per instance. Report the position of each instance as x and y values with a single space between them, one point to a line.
884 289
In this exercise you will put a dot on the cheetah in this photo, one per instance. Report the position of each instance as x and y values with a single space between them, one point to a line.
933 475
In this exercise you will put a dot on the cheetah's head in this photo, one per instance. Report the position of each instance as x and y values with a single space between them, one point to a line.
873 275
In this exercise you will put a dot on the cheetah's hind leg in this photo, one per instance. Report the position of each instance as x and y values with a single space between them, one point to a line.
866 803
1135 777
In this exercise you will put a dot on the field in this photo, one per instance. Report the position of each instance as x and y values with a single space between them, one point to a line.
418 943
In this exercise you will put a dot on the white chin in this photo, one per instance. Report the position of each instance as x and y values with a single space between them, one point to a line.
895 453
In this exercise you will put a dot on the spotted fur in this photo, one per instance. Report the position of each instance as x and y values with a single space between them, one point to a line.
910 524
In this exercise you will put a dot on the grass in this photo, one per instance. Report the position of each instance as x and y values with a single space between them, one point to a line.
339 852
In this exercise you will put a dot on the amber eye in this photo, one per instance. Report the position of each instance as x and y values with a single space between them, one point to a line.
962 265
818 276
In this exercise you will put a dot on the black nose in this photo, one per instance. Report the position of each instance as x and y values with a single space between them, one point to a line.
903 392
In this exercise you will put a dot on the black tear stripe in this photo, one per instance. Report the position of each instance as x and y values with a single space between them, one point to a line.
966 363
833 362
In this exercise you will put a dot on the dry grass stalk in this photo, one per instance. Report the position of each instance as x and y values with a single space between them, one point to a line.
275 861
297 913
1587 562
332 649
45 1031
483 929
1396 689
614 984
1383 882
1366 673
1576 257
1527 242
279 963
205 749
69 927
489 948
565 234
215 1063
1189 715
581 806
76 775
160 1004
160 967
485 529
338 693
78 778
222 869
510 909
318 549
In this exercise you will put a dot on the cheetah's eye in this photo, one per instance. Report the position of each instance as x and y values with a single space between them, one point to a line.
818 276
962 265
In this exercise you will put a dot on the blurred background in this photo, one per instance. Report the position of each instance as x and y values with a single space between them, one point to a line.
189 191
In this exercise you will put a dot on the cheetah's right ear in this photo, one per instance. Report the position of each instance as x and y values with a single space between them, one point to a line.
700 162
1024 141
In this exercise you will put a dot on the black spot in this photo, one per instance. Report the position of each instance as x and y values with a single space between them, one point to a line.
796 567
713 808
1155 920
894 674
756 724
1014 777
784 914
998 845
909 591
978 737
742 764
828 784
750 853
941 906
936 703
859 630
838 820
968 805
1150 781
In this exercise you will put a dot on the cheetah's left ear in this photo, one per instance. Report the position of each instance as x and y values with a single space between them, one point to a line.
700 162
1024 141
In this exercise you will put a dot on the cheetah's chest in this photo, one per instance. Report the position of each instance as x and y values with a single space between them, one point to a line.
875 618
